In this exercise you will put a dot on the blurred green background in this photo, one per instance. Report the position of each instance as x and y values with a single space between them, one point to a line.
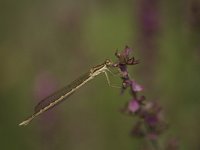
46 44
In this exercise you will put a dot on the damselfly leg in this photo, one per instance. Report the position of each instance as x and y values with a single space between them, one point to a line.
108 80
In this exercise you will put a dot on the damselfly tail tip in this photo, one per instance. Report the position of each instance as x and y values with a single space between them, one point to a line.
24 123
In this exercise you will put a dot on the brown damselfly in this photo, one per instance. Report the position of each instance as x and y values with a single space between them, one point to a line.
64 93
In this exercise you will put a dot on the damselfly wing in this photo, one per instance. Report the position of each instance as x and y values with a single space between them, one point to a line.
64 93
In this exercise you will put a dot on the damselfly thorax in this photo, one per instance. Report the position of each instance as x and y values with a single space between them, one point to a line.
61 95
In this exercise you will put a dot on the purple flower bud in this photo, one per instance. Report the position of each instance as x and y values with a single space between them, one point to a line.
127 51
123 58
152 119
152 113
123 68
136 87
133 106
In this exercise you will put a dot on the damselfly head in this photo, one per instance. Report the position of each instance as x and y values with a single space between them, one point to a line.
99 68
108 62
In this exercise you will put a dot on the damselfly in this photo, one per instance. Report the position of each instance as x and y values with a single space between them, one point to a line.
64 93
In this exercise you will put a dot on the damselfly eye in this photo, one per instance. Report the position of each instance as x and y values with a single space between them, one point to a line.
108 62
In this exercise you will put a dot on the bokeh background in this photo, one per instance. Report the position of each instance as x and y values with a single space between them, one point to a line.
46 44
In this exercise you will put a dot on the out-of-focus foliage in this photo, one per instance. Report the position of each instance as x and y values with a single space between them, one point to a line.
46 44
